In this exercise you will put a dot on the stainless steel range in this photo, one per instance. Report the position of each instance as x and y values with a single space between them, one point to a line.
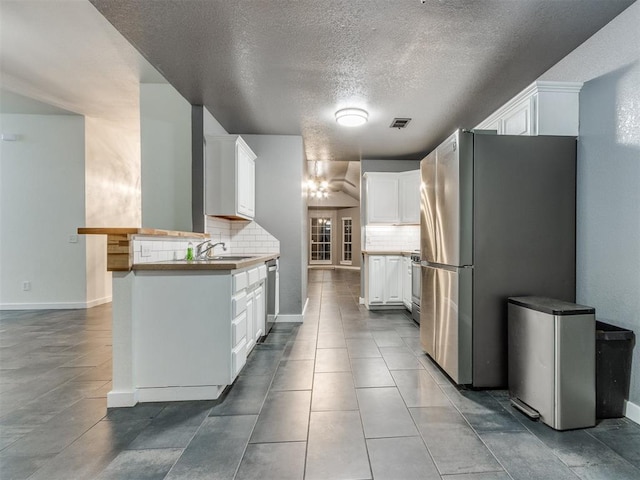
415 286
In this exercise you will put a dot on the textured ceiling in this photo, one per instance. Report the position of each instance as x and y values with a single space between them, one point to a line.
285 67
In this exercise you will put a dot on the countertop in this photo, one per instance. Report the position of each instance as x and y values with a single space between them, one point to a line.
404 253
221 264
138 231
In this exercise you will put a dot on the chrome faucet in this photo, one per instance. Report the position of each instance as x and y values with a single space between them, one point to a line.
201 252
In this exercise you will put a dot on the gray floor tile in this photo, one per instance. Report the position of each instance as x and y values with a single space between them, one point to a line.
331 340
400 358
419 389
479 476
371 372
92 452
61 430
332 360
336 449
293 375
333 391
620 435
403 458
454 446
388 339
173 427
617 471
216 450
282 461
151 464
284 417
300 350
362 348
245 397
17 467
384 413
525 457
262 362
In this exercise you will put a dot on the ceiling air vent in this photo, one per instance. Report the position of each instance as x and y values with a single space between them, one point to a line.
400 122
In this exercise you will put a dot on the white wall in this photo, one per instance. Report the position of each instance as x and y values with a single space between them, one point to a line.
42 193
608 194
165 140
112 193
281 209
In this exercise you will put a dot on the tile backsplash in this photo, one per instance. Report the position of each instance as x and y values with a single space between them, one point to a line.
238 236
161 249
241 236
392 237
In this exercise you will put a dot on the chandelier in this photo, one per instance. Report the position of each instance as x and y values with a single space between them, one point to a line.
317 187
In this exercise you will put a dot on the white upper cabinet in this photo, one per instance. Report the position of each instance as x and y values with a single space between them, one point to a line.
393 198
229 177
410 197
543 108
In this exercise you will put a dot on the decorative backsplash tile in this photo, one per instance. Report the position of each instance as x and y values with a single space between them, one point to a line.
238 236
392 237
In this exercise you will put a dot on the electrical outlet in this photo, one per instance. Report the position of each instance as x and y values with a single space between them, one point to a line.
73 238
145 250
26 285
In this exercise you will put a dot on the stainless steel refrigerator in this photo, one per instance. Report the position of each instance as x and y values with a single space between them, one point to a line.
497 221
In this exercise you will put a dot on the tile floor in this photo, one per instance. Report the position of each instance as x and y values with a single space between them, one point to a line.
346 395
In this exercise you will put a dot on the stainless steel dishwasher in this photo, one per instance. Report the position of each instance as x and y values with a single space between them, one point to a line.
273 293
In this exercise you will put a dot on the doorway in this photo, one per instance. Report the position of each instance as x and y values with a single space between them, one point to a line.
320 244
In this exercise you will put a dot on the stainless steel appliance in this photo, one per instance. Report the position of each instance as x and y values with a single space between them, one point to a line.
273 293
415 286
552 361
497 220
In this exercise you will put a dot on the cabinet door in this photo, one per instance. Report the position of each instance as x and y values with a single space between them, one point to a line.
393 279
519 120
245 181
251 321
382 198
259 308
410 197
376 279
406 282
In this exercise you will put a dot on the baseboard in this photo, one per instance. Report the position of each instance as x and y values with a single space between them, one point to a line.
361 301
99 301
632 411
44 306
180 394
122 398
289 318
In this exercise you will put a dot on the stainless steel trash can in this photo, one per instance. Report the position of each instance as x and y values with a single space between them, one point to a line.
551 345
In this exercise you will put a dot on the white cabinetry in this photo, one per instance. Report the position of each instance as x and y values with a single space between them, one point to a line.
393 198
406 281
255 305
229 177
543 108
384 282
410 197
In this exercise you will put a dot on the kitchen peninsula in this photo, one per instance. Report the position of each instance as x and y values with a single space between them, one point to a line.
182 329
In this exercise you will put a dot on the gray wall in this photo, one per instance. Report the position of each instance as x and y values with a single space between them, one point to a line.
608 196
281 209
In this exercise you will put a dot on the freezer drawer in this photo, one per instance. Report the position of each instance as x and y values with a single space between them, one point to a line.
552 360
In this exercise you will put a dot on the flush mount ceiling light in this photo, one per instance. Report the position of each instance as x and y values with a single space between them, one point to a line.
352 117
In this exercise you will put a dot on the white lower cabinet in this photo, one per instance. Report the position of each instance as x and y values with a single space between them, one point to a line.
194 330
406 281
384 280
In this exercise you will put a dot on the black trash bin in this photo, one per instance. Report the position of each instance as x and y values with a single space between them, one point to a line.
614 347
